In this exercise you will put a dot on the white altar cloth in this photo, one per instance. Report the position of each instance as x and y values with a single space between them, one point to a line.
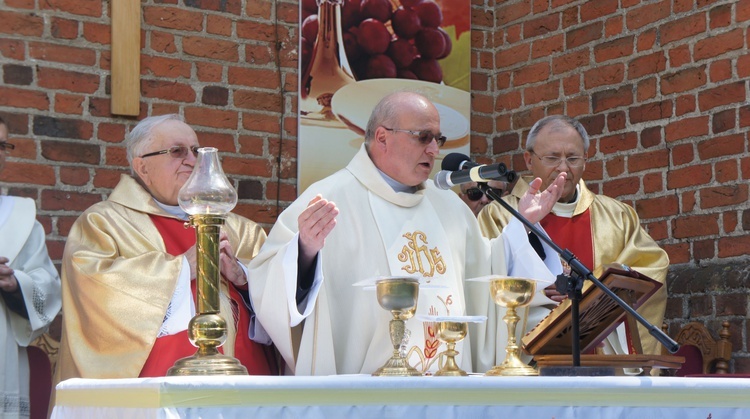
362 396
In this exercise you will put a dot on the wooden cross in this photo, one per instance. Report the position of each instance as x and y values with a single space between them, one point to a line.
126 57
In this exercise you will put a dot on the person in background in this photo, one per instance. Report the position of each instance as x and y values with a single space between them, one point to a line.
129 269
476 199
380 217
30 289
599 230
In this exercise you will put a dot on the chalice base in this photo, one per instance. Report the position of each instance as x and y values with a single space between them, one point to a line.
214 364
451 373
397 367
512 367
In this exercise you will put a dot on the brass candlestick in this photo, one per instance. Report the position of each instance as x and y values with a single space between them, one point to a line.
399 296
207 196
512 293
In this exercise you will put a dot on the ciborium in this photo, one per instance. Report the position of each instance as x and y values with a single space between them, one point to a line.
207 197
399 296
512 293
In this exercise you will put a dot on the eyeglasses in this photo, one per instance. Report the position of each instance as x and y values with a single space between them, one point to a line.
6 146
554 161
425 136
177 152
474 194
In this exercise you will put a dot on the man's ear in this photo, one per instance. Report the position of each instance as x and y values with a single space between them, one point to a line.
140 168
527 158
379 139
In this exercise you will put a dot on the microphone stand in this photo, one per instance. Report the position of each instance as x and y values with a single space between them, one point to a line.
573 284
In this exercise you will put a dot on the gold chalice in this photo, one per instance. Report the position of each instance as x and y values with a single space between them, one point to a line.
399 296
512 293
451 332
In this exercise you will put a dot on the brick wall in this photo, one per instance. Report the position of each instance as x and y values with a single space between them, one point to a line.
660 85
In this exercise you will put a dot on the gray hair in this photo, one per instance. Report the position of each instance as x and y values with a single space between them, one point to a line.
557 121
142 134
385 114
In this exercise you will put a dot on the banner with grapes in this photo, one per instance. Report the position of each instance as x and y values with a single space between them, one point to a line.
354 52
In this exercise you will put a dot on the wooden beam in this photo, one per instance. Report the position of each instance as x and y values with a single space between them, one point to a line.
126 57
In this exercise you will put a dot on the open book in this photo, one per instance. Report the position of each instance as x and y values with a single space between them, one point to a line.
599 314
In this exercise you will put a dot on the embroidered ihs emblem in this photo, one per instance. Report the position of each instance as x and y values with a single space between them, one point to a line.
419 258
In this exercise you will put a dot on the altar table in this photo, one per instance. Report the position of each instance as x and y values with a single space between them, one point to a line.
363 396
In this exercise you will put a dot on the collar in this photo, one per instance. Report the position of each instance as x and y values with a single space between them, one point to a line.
365 171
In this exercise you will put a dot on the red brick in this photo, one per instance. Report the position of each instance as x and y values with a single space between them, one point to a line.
613 26
742 12
596 9
253 77
548 45
664 206
688 201
570 61
650 112
114 156
679 56
614 49
510 12
64 28
163 42
728 145
64 152
23 98
719 44
730 222
734 246
481 124
58 200
262 101
639 17
646 89
112 133
571 84
682 28
21 24
168 90
28 173
678 253
531 74
726 171
214 118
218 25
646 65
699 174
164 67
703 249
211 48
173 18
614 98
653 182
656 159
584 35
260 122
686 128
683 80
720 16
510 57
256 31
613 144
615 165
541 25
722 196
616 121
577 106
682 154
570 17
694 226
51 78
12 49
721 95
685 104
69 104
621 186
76 7
604 75
76 176
99 33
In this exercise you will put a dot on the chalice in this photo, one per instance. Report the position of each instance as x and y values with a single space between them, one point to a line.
451 330
399 296
512 293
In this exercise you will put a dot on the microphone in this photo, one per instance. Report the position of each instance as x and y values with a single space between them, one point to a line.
445 179
457 161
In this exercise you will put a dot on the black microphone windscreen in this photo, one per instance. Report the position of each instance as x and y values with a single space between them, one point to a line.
452 161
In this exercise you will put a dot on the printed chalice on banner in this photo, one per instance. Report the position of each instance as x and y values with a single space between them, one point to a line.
451 330
399 296
512 293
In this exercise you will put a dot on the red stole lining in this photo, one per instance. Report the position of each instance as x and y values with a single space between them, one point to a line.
258 359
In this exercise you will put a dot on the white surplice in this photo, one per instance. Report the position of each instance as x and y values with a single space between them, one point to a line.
431 234
23 243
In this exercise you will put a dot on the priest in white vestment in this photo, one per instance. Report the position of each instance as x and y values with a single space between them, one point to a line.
386 221
30 289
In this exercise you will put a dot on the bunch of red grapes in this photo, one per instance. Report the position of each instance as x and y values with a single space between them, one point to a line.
381 42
